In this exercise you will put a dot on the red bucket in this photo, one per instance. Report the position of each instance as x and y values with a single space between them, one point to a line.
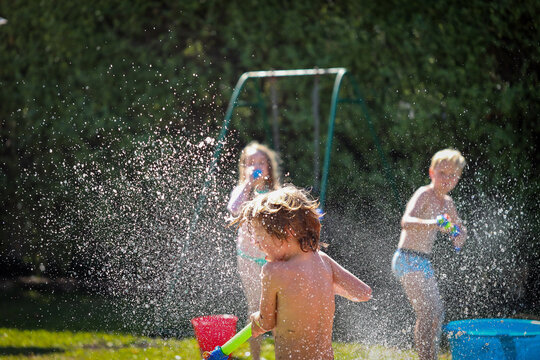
214 330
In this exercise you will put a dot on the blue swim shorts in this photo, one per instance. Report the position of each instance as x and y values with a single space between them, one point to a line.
406 261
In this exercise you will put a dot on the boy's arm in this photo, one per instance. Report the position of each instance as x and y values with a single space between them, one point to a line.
459 240
346 284
411 219
264 320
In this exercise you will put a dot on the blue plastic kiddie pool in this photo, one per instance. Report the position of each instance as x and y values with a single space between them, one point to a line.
483 339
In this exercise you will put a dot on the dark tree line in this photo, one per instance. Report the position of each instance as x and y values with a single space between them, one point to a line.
87 80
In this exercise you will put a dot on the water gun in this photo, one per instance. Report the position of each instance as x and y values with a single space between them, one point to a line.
223 352
444 222
256 173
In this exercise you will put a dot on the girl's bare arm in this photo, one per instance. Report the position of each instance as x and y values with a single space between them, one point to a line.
239 196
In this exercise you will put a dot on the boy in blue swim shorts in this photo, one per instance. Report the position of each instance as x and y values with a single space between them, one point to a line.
412 261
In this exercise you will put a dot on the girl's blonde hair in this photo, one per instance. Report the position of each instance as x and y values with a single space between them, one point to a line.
451 155
288 211
271 157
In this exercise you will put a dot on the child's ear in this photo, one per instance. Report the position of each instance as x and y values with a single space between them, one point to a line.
431 173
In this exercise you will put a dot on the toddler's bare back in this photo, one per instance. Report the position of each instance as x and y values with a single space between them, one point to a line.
305 307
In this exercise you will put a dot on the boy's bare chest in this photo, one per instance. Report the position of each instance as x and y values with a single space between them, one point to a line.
434 207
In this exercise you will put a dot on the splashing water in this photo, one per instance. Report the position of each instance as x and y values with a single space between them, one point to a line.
487 279
128 222
130 215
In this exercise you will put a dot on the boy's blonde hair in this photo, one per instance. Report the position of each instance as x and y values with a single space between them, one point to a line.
284 212
451 155
271 156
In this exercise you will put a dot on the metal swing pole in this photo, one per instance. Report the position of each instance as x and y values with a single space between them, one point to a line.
316 133
275 128
339 72
330 136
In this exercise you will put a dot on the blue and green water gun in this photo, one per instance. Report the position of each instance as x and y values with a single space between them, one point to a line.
444 222
223 352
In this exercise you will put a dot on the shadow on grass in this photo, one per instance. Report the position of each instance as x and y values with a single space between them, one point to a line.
26 309
29 351
30 310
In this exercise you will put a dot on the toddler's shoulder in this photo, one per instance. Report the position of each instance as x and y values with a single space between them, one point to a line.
324 256
327 260
275 274
273 268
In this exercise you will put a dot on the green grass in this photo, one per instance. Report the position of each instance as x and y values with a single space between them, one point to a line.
44 325
21 344
63 345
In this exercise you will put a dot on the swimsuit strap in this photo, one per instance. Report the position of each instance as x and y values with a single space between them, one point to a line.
256 260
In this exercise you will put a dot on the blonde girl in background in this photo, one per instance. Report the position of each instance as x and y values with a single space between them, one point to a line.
258 170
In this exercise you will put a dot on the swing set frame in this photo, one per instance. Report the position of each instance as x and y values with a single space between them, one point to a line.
340 75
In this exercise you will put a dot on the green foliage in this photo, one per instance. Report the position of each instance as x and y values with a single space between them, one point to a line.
81 80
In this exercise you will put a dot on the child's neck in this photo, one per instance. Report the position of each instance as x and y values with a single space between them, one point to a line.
292 251
439 193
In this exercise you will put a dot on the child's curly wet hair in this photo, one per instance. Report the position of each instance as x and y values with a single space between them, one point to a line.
285 212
